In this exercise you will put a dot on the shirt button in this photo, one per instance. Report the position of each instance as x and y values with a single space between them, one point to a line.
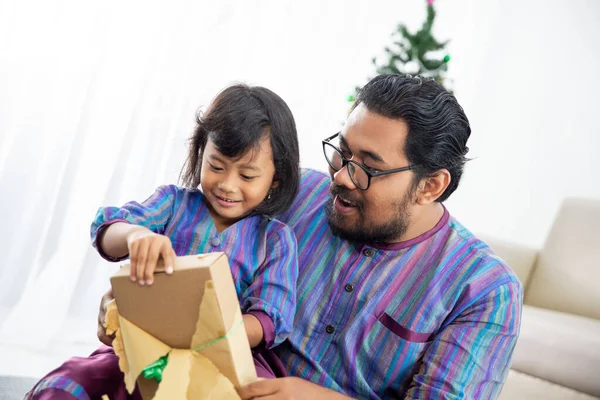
348 288
216 241
368 252
329 329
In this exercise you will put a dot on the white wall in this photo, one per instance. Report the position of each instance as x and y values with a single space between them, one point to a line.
536 137
526 73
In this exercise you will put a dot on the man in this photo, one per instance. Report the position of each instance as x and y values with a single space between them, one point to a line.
396 299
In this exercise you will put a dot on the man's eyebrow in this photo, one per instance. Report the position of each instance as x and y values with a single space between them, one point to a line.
363 153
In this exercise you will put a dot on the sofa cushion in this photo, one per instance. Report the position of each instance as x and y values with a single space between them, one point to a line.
561 348
567 273
521 386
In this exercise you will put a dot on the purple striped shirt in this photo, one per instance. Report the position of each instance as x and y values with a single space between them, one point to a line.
261 251
436 317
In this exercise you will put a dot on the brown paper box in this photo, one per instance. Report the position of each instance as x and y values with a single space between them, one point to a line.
169 310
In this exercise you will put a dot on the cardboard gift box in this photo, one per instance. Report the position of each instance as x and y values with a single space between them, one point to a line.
183 337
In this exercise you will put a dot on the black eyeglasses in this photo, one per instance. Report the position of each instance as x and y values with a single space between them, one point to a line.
359 174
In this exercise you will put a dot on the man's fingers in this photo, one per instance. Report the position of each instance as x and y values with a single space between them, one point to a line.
259 389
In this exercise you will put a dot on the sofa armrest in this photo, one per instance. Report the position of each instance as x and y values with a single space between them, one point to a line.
520 258
521 386
559 347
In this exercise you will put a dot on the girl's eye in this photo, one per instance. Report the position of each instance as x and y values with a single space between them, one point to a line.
215 168
247 177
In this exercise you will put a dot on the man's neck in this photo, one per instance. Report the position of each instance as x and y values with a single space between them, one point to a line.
423 219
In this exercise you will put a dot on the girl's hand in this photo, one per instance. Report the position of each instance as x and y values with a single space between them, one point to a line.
104 338
145 248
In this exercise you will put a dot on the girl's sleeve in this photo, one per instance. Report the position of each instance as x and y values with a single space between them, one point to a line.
154 213
271 297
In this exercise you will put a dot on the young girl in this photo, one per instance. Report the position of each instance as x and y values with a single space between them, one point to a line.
242 168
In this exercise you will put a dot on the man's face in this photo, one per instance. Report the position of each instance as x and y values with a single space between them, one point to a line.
382 213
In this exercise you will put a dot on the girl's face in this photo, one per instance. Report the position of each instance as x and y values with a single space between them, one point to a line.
234 187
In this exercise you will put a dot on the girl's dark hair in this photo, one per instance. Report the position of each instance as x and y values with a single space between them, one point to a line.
438 128
236 121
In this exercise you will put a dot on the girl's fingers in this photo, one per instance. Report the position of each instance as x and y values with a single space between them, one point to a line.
153 253
141 260
168 256
133 260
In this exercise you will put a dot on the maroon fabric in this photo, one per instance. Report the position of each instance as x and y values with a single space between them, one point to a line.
403 332
268 365
99 374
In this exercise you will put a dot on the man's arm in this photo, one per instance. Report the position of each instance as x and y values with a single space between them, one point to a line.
470 358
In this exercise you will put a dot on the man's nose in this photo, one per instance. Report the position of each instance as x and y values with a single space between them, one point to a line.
342 177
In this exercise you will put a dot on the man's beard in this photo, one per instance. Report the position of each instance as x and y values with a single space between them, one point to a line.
365 231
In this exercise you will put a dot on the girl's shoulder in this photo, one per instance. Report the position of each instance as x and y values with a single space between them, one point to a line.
277 230
181 199
180 192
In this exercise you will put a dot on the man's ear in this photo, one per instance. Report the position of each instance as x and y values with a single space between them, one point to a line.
432 187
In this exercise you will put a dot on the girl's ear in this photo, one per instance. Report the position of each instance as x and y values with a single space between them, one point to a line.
275 183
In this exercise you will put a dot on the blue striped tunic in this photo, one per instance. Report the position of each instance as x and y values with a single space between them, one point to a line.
435 317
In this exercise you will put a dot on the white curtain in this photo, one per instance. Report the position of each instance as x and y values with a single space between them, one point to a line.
96 101
98 97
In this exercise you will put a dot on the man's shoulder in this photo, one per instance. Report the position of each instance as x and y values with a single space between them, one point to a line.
479 262
311 179
312 195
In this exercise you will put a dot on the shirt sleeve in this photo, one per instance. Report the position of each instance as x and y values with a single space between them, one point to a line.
470 357
273 289
154 213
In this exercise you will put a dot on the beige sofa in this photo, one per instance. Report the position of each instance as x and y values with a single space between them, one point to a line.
558 352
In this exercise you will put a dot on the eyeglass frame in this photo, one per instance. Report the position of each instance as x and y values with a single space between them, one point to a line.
345 162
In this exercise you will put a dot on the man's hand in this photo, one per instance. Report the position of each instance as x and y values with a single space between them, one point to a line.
104 338
287 389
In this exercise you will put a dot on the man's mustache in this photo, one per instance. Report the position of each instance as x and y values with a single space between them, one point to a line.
340 190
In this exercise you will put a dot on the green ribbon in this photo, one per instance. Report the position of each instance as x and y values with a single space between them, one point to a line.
155 370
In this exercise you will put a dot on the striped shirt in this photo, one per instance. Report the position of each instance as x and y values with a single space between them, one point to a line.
435 317
261 251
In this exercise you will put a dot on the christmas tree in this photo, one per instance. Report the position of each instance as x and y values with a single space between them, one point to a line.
414 53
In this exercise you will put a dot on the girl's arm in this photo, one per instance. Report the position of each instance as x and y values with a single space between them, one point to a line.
113 240
271 297
254 329
144 247
135 230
